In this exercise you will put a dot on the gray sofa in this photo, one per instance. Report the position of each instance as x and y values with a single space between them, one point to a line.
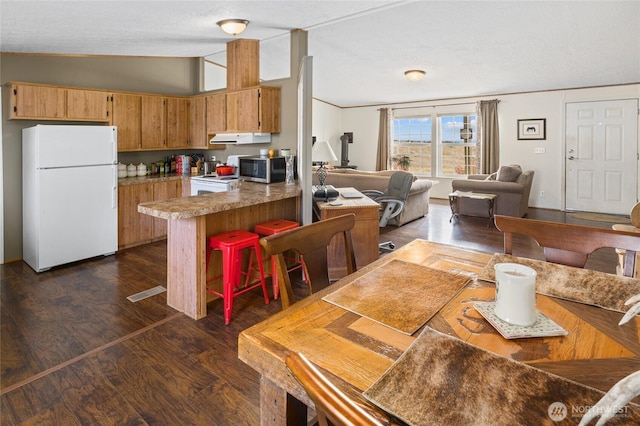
416 206
512 191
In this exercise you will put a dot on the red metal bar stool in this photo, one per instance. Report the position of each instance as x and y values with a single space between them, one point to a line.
274 227
231 245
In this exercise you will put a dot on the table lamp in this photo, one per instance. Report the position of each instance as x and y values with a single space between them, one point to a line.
322 153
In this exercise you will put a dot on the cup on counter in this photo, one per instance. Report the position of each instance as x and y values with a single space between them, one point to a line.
515 293
264 153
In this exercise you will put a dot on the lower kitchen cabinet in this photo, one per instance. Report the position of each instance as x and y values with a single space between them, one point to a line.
163 191
134 228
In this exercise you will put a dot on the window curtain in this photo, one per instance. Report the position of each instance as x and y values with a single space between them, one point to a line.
384 139
487 112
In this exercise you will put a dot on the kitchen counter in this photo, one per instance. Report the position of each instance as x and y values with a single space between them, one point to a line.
191 220
247 194
152 178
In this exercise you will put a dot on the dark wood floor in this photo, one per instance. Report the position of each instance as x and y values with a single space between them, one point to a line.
76 351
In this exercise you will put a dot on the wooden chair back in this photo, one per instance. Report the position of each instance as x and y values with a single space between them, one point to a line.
333 407
569 244
310 242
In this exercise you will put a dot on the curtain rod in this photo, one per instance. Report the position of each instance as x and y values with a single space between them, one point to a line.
439 105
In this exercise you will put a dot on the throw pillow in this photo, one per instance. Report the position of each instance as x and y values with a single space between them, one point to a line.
492 176
509 173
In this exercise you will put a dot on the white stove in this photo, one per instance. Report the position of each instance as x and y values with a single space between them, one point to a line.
214 183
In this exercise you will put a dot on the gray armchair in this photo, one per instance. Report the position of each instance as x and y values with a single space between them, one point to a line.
510 184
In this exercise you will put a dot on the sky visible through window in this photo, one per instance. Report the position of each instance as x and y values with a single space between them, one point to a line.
418 129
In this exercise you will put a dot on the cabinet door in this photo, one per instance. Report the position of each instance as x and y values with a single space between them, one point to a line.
177 122
48 103
164 191
154 122
87 105
269 114
216 113
127 110
243 111
133 228
198 123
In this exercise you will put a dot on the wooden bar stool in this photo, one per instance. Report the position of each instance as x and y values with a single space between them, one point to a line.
275 227
231 244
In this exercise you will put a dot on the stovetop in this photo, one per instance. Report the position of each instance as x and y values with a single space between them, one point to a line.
215 178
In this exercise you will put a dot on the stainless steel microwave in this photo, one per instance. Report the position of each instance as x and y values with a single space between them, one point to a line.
262 169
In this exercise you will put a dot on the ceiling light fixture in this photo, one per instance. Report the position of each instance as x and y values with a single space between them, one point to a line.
414 75
233 26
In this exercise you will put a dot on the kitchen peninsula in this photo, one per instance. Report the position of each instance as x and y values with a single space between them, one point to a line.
192 219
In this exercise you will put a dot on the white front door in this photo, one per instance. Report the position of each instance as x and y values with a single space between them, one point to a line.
601 158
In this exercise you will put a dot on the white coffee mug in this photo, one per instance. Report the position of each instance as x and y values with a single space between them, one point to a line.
515 293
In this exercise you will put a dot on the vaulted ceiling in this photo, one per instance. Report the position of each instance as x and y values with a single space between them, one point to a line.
360 49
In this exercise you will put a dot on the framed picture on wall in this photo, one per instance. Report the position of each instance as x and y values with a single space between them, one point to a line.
532 129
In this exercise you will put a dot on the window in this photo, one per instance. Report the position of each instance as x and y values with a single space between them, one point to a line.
455 152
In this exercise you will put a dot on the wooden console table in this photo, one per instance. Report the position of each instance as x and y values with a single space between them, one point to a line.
365 234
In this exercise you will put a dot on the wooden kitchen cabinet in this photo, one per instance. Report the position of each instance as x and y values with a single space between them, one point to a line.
163 191
216 113
154 122
177 122
198 123
133 228
37 102
165 122
148 122
127 115
88 105
254 110
43 102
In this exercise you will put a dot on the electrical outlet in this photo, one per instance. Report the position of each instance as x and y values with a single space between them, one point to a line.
541 194
538 150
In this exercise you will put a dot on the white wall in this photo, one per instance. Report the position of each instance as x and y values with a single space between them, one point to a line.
548 167
327 126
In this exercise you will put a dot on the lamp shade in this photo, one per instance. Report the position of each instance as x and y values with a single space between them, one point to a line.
233 26
322 152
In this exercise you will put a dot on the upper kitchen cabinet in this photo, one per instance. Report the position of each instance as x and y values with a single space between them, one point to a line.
253 110
127 115
154 122
177 122
34 102
44 102
165 122
216 113
198 122
87 105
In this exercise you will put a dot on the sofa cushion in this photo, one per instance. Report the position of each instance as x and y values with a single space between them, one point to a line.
509 173
492 176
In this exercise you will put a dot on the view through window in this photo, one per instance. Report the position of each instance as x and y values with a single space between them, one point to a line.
455 152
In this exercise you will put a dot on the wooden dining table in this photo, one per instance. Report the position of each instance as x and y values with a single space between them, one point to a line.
417 305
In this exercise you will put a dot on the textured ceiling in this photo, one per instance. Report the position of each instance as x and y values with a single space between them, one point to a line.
360 49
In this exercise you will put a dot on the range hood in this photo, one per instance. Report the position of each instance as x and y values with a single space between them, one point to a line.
240 138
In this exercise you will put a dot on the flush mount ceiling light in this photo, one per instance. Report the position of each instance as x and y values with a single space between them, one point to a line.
414 75
233 26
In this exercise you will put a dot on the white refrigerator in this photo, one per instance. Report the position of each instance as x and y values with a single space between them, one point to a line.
69 194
